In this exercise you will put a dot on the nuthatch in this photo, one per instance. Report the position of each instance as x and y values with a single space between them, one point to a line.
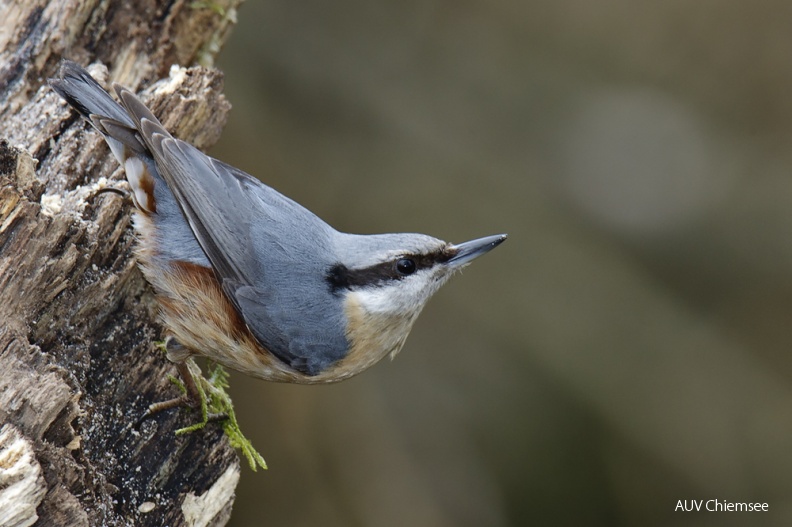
249 278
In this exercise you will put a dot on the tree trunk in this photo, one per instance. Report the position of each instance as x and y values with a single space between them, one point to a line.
77 321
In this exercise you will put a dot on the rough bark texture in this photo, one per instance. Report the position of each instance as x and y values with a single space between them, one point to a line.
77 320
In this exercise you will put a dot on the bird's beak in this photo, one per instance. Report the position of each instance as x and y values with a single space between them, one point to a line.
468 251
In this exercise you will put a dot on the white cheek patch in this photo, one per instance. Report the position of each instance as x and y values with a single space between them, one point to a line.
375 300
400 297
140 181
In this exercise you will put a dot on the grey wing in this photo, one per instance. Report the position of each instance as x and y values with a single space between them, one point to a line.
262 245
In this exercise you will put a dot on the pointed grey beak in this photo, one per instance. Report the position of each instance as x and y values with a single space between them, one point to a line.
468 251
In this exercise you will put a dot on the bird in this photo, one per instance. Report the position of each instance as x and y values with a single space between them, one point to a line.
249 278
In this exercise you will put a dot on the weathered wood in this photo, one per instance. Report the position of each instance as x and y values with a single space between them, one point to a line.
77 320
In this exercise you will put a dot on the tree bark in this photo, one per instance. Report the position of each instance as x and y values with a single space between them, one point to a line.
77 320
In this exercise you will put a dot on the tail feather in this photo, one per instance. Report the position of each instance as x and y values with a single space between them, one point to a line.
96 106
117 126
85 95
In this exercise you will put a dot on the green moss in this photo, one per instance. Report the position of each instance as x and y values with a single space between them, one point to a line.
216 406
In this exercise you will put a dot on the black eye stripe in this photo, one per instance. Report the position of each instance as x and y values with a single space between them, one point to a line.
340 276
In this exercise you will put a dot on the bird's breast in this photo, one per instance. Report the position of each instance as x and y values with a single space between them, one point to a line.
371 337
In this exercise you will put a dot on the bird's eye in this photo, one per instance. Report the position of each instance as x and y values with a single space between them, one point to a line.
405 266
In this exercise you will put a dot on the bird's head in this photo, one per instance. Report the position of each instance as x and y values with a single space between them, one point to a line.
394 275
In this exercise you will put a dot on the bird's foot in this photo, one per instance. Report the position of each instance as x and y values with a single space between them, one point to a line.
194 396
207 395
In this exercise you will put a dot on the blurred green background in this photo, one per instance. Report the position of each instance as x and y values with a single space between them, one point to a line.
627 347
